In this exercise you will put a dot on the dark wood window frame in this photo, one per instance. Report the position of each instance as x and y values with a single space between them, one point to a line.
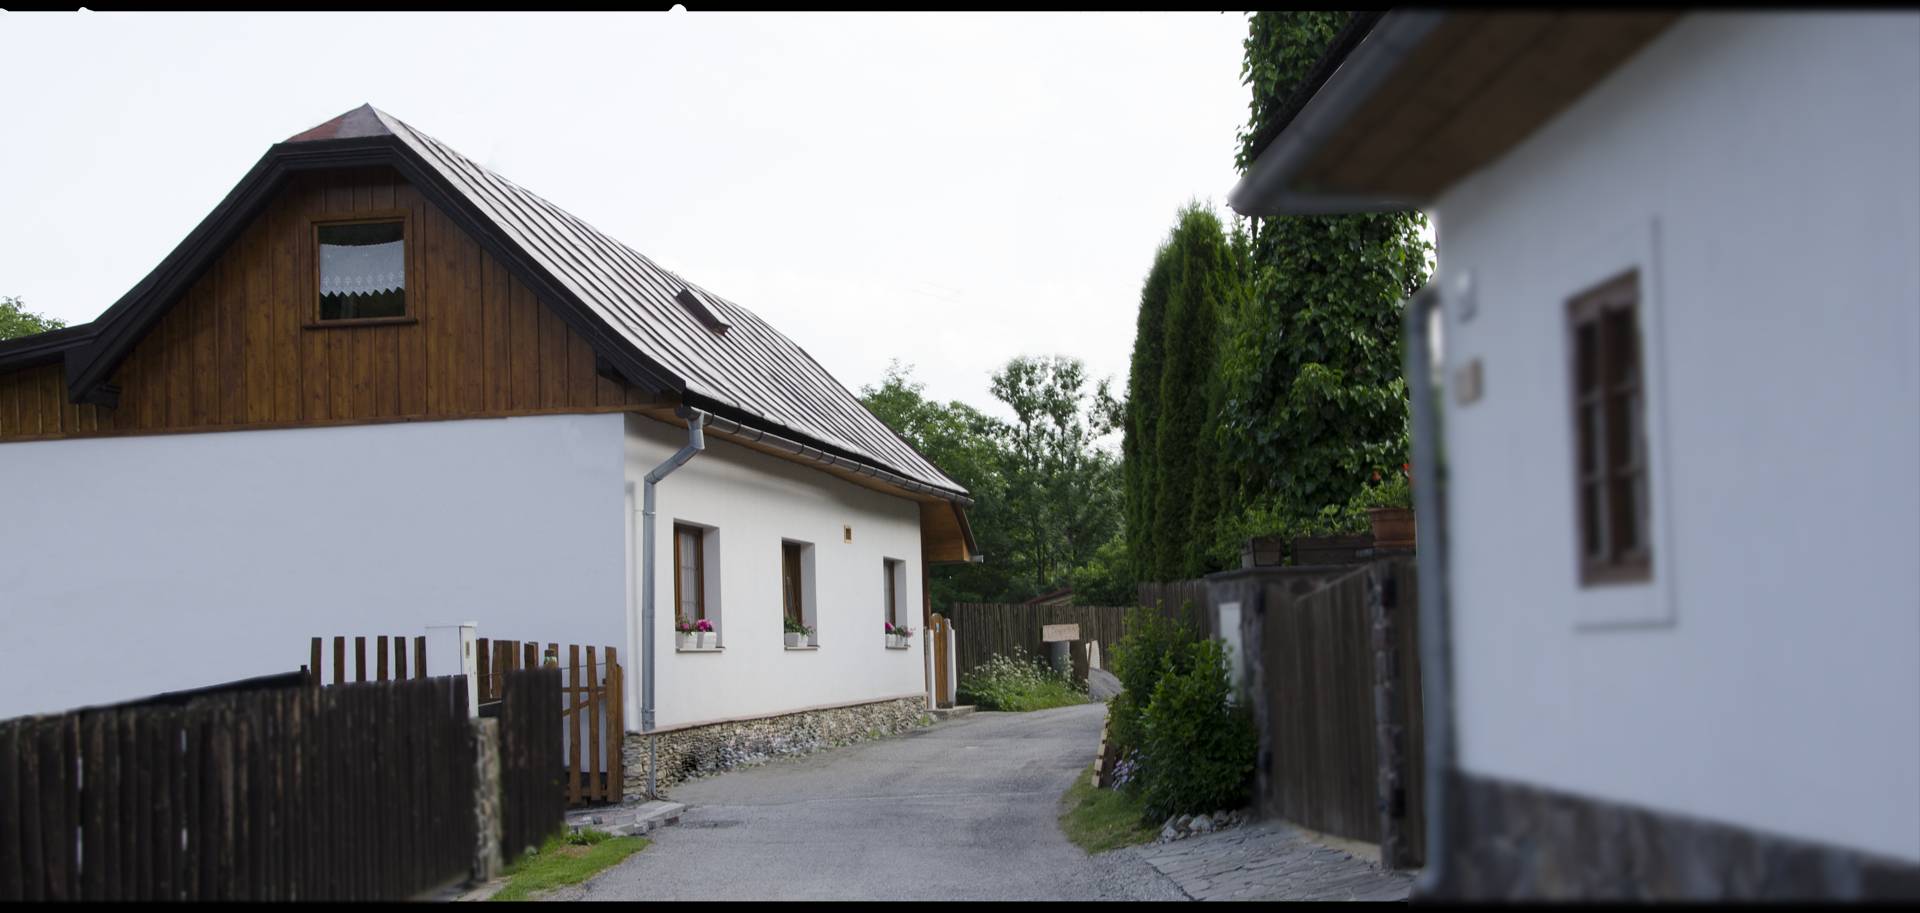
793 586
681 531
1607 377
888 568
408 234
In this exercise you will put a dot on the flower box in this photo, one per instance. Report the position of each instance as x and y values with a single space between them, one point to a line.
1392 527
796 639
686 640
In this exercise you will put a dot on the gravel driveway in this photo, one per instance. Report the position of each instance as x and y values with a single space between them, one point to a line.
963 810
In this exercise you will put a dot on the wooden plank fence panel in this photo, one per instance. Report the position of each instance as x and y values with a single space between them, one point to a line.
1321 734
11 816
985 630
574 718
358 792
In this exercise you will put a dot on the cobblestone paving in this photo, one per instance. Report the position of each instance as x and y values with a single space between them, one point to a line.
1271 861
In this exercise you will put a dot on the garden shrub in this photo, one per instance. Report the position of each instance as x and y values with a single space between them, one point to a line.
1153 645
1018 683
1198 750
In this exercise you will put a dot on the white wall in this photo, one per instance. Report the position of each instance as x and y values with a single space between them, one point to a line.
756 500
1764 171
134 565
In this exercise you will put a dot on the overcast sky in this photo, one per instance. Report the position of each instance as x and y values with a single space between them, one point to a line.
951 190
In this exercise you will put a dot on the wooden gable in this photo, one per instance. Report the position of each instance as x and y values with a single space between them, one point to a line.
241 348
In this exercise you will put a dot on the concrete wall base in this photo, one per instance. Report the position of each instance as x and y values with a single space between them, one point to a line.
1510 841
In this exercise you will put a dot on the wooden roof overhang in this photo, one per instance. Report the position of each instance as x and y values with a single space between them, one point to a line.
1392 117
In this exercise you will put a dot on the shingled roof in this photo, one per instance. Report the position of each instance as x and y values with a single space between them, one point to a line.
659 330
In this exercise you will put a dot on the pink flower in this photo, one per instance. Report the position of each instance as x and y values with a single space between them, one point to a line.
703 626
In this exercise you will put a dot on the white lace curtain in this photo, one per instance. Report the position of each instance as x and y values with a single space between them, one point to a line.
362 269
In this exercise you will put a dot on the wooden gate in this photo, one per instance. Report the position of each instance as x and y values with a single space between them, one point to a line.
591 694
592 708
385 647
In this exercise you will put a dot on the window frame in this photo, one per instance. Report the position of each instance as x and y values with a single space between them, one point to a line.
699 571
1618 400
409 254
893 593
797 588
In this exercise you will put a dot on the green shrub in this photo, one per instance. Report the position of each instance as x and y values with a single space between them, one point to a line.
1198 748
1018 683
1153 645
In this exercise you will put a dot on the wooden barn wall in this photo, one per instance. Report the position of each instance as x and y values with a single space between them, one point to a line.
239 349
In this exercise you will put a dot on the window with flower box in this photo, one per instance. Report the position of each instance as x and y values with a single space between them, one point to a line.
695 586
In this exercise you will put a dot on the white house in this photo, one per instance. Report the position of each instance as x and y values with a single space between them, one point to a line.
1679 516
380 388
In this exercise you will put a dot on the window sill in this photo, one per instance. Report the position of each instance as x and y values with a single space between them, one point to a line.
358 322
803 649
698 649
900 647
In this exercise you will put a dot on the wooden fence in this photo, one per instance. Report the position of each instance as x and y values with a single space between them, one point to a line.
1340 745
1181 600
533 792
984 630
592 697
351 793
384 648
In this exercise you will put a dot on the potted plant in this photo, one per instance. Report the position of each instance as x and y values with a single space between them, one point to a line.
684 634
897 634
705 636
798 635
1390 508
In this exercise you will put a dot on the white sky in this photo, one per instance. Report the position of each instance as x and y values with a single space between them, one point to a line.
952 190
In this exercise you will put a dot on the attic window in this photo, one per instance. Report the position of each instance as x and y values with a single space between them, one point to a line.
363 269
698 307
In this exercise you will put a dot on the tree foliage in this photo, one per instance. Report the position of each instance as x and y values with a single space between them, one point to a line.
964 443
1046 509
1314 402
16 321
1062 488
1294 400
1177 482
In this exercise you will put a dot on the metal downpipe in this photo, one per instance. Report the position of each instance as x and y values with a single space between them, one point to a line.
696 442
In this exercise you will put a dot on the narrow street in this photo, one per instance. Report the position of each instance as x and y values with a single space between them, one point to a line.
964 810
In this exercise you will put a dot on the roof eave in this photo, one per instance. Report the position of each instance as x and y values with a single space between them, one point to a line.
43 348
1268 189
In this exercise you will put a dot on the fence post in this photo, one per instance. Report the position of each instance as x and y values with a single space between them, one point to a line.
488 859
953 673
453 649
1391 796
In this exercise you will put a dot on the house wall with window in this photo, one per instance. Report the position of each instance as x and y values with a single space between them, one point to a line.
136 565
751 507
1758 176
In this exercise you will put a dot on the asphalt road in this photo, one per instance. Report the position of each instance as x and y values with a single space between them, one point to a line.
963 810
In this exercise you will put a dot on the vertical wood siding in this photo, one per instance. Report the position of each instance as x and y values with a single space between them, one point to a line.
237 351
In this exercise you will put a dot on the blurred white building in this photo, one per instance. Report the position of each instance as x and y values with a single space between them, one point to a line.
1680 413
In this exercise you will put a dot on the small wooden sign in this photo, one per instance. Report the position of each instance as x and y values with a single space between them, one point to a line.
1051 633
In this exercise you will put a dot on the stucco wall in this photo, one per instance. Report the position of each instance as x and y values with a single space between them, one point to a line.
754 501
1764 174
135 565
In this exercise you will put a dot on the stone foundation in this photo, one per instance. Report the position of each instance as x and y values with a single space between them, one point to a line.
686 754
1509 841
